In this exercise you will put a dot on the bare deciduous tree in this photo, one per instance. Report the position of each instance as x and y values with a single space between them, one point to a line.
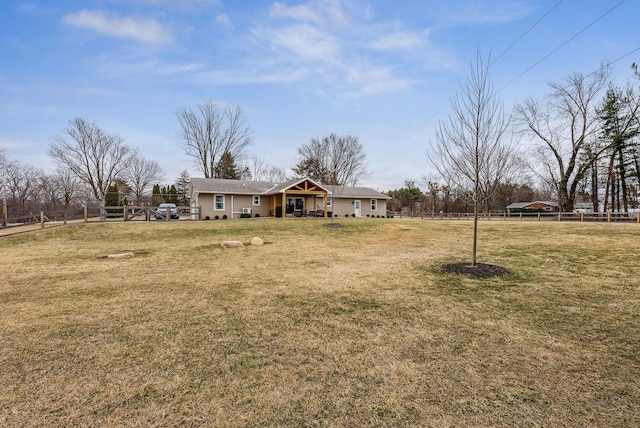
91 154
139 174
3 193
23 187
67 188
210 132
563 127
261 170
470 148
334 160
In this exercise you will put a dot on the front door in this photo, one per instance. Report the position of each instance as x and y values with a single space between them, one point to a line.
356 208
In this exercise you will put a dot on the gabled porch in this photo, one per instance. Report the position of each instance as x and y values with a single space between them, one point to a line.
302 198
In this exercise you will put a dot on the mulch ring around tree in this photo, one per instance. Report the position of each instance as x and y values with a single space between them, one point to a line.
480 270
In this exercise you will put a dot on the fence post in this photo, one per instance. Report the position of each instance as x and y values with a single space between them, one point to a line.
538 215
609 217
581 217
86 214
560 216
41 219
124 213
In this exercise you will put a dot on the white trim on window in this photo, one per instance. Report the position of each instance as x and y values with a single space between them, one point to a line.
374 205
256 201
218 202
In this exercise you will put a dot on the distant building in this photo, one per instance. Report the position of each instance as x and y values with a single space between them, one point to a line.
532 207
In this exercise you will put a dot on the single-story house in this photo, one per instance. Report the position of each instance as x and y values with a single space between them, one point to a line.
301 197
528 207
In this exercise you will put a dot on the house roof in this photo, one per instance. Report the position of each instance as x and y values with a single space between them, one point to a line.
242 187
356 192
280 188
517 205
239 187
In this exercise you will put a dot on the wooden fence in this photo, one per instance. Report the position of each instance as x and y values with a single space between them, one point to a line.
609 217
94 214
134 213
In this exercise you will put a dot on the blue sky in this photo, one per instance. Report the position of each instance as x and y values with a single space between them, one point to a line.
381 70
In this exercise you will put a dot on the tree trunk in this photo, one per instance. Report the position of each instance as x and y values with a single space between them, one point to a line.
623 181
594 186
609 187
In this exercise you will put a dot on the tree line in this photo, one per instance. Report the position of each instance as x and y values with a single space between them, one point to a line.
94 166
577 143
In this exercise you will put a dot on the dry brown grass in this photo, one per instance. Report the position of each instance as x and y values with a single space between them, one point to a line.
350 326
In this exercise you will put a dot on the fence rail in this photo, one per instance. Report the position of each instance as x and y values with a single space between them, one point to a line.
608 217
95 214
145 213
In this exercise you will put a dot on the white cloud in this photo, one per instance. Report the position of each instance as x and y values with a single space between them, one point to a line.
140 29
119 67
301 44
367 79
14 144
235 77
487 12
306 41
317 12
223 20
187 6
398 40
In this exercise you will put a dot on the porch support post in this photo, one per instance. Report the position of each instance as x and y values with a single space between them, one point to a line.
326 199
284 207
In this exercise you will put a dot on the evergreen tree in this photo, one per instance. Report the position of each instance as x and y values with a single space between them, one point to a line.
156 195
227 168
112 198
182 186
619 127
171 195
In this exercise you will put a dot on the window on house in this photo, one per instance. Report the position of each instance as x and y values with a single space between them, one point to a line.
329 200
256 200
218 203
374 205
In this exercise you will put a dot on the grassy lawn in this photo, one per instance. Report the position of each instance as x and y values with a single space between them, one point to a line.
350 326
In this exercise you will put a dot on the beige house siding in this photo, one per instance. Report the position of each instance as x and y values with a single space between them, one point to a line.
233 205
346 206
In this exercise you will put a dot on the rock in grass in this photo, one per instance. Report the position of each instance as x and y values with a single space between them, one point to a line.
232 244
121 256
257 241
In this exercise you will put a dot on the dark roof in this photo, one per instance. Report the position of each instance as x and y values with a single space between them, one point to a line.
356 192
239 187
517 205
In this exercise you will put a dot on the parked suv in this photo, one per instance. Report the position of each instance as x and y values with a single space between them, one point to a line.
161 212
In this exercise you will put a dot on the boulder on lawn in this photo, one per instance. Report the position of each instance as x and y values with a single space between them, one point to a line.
121 256
232 244
257 241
